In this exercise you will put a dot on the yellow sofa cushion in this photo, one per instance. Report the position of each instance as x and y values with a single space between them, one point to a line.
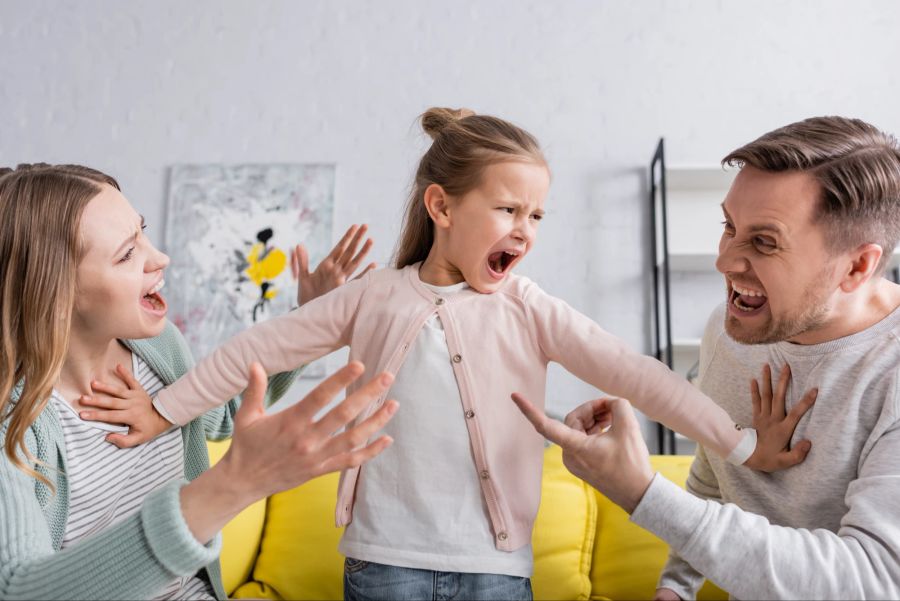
241 536
298 558
564 532
627 559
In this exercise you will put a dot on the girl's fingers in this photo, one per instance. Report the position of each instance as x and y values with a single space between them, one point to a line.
754 394
781 391
802 406
103 402
116 391
126 376
350 248
766 392
117 417
126 441
295 262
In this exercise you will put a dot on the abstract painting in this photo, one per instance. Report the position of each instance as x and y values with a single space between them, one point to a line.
229 232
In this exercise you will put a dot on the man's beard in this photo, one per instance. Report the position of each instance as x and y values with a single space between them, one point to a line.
812 313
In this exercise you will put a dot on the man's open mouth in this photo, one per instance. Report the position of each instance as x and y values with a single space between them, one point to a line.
747 299
153 300
500 262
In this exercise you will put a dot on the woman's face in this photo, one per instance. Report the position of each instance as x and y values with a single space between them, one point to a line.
120 275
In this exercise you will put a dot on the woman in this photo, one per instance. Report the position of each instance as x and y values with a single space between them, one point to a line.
79 294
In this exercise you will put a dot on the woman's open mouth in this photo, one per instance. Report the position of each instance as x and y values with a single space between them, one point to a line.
153 301
500 262
746 300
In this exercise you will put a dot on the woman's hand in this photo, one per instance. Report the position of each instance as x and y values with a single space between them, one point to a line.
272 453
774 428
127 404
334 269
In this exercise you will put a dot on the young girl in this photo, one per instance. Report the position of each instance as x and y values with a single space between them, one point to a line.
449 509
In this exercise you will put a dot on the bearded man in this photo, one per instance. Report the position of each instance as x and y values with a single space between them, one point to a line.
810 224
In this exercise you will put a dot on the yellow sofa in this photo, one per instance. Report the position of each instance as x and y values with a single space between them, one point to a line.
285 547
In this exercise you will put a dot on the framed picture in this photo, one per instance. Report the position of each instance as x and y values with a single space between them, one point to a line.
229 232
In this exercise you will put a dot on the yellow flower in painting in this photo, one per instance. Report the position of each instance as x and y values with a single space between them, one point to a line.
265 268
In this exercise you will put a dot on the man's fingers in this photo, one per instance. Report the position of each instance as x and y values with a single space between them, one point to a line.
251 407
549 428
781 391
322 395
347 410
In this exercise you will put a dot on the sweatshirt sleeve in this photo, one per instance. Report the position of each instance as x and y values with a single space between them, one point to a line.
133 559
754 559
605 361
678 575
280 344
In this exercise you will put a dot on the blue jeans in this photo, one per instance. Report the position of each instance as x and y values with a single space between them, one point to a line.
369 581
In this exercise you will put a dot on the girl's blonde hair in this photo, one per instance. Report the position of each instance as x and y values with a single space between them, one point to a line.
463 145
40 247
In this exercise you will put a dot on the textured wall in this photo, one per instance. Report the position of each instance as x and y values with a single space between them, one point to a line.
134 87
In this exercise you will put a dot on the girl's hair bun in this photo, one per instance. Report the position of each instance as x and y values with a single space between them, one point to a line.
436 119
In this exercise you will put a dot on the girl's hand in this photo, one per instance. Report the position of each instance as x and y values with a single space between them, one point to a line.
129 405
666 594
773 428
334 269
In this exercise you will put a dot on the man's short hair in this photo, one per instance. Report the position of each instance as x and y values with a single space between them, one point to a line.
858 168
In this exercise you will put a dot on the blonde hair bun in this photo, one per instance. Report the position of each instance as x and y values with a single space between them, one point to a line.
436 119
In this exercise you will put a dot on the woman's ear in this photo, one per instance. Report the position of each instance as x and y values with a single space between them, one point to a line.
437 203
862 267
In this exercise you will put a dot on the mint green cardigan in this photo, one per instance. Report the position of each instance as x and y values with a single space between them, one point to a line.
133 559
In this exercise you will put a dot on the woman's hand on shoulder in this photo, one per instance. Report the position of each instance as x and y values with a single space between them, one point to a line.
335 269
125 403
774 426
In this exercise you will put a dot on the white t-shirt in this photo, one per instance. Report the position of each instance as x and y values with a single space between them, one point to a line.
108 484
419 503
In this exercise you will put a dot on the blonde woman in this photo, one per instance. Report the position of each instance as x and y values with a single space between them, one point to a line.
80 301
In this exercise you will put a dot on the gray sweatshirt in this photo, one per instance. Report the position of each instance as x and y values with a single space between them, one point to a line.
826 529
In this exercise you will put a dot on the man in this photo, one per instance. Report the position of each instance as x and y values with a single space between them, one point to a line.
809 226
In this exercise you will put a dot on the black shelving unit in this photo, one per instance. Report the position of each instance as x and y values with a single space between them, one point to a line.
661 311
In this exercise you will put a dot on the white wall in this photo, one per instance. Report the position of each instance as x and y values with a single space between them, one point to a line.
135 87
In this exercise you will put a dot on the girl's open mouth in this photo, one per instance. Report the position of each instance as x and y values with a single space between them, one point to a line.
500 262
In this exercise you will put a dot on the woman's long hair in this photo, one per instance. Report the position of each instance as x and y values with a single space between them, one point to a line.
40 247
464 144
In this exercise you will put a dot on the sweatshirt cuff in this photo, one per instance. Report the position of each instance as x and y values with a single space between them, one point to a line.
169 536
744 448
172 411
669 512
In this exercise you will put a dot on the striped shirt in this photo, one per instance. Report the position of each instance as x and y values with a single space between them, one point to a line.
108 484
